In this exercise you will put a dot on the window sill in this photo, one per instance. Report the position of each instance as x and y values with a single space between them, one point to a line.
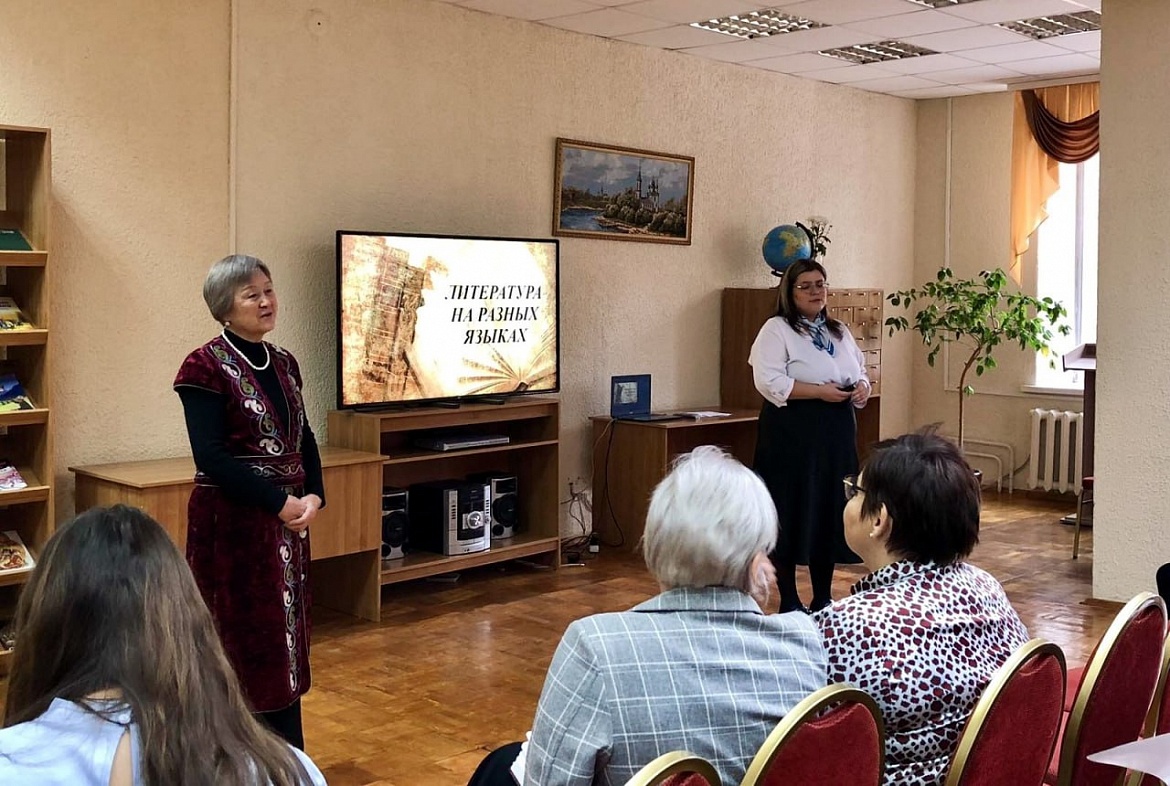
1041 390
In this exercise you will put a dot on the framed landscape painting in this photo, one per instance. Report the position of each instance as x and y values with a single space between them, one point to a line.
620 193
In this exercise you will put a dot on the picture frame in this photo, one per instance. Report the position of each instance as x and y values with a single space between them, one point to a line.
622 193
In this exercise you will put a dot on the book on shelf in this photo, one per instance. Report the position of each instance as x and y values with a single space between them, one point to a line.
10 478
11 317
13 240
12 395
14 555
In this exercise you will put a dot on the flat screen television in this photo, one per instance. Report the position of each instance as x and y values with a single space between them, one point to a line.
439 317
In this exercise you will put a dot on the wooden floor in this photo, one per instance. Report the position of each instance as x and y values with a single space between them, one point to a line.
455 669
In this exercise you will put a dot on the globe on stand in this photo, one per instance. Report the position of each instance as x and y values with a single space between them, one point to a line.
786 244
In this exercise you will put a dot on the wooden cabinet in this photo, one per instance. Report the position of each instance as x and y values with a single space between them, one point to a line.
630 457
746 310
346 536
26 436
532 426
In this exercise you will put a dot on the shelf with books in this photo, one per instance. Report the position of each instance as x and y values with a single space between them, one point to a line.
24 338
24 417
32 491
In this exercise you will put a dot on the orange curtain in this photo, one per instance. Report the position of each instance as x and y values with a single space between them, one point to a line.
1065 118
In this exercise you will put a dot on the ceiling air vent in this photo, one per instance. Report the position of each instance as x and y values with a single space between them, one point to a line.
862 54
758 24
1052 26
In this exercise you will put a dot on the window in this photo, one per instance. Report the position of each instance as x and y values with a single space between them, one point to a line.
1066 266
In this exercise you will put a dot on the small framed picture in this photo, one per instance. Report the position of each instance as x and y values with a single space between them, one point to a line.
620 193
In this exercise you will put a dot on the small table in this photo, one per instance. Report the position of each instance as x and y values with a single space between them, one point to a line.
630 457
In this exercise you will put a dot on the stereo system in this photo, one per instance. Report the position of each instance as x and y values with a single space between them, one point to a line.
450 517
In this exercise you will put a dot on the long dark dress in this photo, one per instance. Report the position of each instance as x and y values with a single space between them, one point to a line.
251 570
804 450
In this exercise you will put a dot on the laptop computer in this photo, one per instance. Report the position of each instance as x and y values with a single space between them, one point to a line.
630 399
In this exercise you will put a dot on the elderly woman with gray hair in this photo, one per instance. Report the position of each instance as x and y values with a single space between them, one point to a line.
258 487
698 667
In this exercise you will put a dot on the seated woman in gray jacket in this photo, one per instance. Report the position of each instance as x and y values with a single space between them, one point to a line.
698 667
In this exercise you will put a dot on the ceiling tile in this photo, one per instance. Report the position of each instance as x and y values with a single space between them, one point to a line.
606 22
990 12
794 64
967 38
1062 65
1078 42
821 38
979 73
1006 52
892 83
942 91
736 51
926 64
530 9
985 87
847 74
839 12
676 37
904 25
686 11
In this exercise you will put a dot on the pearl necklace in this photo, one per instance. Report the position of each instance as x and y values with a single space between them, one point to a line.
267 354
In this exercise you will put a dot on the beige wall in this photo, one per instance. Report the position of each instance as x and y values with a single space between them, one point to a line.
137 100
415 116
1133 420
980 196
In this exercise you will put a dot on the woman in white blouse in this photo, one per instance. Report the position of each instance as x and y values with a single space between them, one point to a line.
811 374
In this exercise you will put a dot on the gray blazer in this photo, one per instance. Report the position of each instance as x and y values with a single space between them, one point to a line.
692 669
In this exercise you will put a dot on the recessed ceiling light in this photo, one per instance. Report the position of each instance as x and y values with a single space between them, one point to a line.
1052 26
861 54
940 3
758 24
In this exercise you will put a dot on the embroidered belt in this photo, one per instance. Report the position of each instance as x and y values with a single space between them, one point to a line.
285 470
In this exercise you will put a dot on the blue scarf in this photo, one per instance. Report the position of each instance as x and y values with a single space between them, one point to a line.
819 334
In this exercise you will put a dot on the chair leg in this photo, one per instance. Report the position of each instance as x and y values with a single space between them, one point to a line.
1077 524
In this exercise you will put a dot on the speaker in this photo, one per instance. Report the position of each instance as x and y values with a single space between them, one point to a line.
504 511
395 522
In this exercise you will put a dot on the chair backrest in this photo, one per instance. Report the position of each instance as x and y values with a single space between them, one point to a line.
1012 730
838 718
1158 720
1115 692
677 768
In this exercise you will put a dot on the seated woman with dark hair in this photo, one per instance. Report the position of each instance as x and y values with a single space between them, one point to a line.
924 631
698 667
118 676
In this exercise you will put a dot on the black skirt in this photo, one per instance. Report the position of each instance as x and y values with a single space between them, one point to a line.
803 450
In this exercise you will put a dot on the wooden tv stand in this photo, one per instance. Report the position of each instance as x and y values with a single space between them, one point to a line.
532 425
630 457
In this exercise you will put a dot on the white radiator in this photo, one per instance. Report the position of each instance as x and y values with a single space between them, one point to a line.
1056 451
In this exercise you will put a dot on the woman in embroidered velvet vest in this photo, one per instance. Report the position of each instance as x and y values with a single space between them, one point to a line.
257 488
811 374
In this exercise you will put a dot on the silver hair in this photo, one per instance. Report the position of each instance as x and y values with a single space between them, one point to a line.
225 277
707 520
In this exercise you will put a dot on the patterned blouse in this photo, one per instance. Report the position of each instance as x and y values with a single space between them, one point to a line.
923 640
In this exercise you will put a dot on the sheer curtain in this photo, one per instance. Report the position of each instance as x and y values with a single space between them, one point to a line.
1052 125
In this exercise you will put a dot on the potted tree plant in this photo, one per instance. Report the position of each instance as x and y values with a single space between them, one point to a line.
978 313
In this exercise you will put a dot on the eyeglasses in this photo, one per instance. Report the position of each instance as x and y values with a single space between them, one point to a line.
851 487
817 285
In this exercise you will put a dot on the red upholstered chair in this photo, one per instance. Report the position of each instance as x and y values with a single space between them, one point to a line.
1011 732
1158 719
678 768
835 735
1114 694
